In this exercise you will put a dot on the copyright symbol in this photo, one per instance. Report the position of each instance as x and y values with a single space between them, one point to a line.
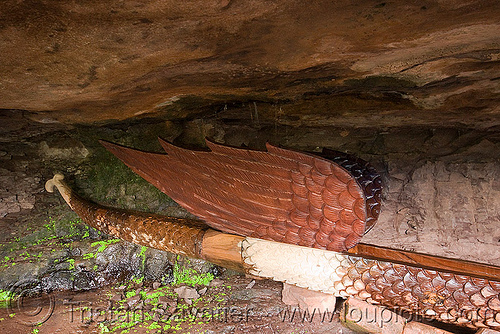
29 303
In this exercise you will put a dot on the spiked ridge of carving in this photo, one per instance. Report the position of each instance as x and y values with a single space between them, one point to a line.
280 195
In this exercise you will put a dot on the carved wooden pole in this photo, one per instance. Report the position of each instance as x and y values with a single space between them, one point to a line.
180 236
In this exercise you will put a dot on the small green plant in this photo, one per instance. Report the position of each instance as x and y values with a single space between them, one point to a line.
129 294
138 280
87 232
190 276
143 255
124 326
5 298
103 328
102 246
71 264
36 329
154 325
51 225
153 297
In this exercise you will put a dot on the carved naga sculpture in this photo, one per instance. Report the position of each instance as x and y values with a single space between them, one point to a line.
296 218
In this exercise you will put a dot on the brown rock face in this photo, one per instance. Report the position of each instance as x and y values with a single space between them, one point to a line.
339 62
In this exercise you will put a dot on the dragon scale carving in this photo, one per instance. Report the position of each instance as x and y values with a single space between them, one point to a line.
279 195
307 209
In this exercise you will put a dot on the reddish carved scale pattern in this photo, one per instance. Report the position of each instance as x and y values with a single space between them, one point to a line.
446 297
278 195
366 176
328 209
170 234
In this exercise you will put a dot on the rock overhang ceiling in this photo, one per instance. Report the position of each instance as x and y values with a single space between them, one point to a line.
369 63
